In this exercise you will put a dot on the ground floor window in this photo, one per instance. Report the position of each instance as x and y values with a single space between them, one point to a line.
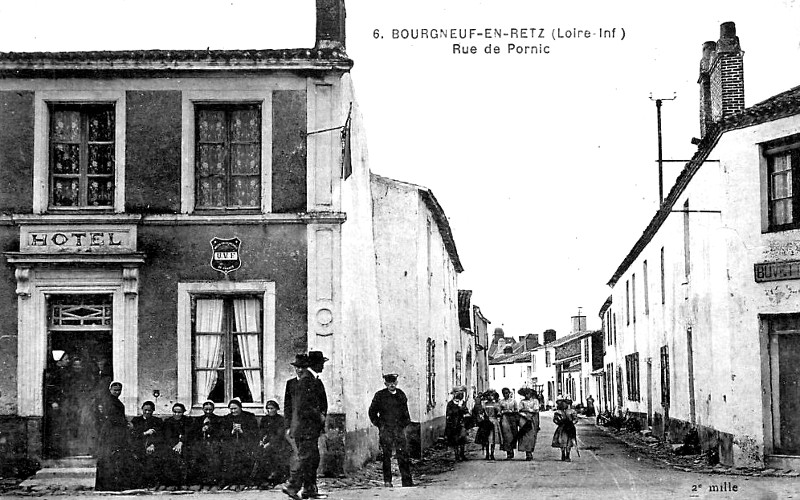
632 374
665 376
784 366
430 387
227 349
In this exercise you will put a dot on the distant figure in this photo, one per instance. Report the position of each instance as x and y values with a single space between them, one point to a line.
454 429
565 436
389 413
489 433
528 423
509 422
590 406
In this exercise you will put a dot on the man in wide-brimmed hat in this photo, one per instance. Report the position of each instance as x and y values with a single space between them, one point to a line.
305 408
389 413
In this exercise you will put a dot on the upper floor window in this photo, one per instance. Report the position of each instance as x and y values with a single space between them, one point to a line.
228 156
547 361
782 189
82 156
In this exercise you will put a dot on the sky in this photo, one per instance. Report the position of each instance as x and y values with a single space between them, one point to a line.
544 163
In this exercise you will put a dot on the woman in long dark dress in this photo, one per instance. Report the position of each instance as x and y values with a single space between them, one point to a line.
273 451
565 436
176 435
509 422
454 430
206 449
113 452
240 435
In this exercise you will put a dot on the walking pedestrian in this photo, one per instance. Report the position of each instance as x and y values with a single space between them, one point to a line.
489 425
389 413
304 425
565 436
509 422
455 430
528 423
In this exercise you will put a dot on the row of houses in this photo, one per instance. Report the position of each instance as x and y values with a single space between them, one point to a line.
185 222
702 327
568 366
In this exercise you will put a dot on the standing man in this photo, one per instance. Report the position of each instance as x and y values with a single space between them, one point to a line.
389 413
305 421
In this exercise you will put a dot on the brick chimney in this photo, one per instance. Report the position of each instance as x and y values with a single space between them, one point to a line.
330 24
721 78
549 336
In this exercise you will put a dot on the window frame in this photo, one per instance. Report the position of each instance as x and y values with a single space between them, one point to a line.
785 146
228 108
43 102
264 290
227 335
632 376
190 101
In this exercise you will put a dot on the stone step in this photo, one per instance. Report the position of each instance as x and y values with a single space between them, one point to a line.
70 477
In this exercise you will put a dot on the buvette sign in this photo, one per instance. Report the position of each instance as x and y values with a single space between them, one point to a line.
225 254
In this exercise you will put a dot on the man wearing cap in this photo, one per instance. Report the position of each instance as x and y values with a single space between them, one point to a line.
389 413
305 421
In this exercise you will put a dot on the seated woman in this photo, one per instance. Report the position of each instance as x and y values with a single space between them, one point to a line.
240 436
176 432
147 437
273 451
206 449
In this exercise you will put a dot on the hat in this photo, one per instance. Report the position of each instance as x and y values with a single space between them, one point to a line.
301 361
316 357
390 377
274 403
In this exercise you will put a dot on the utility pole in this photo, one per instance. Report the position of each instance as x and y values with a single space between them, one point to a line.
660 157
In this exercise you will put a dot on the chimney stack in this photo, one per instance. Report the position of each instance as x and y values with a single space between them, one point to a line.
549 336
330 24
721 78
498 334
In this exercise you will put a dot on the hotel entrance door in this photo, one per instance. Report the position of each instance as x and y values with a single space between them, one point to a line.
78 371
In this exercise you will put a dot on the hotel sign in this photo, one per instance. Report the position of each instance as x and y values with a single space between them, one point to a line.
78 239
776 271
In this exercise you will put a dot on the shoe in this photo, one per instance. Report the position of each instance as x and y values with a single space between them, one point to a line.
291 492
407 484
388 484
568 459
313 495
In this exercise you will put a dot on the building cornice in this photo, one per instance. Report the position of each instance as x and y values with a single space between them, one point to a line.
176 219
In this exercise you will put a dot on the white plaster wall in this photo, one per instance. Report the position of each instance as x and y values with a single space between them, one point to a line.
358 343
721 300
438 305
394 207
515 377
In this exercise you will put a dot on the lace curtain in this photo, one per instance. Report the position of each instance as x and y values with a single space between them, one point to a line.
208 352
247 316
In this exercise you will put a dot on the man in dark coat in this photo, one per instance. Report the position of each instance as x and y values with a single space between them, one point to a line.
147 438
305 421
389 413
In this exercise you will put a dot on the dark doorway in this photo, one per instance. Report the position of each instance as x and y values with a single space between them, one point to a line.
78 371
